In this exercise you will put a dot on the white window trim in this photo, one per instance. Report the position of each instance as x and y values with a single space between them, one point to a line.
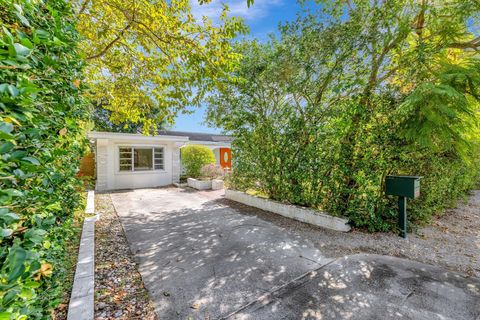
140 146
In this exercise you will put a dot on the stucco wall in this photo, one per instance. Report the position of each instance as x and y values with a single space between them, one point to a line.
109 177
216 152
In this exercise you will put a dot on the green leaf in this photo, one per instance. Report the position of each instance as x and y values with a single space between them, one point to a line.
22 19
32 160
16 259
35 235
12 90
4 315
13 192
16 273
5 233
32 284
9 297
27 43
47 244
21 50
6 147
5 130
9 35
27 293
8 216
18 8
6 127
18 154
42 34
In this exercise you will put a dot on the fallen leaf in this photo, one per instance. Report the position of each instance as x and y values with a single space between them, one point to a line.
45 270
195 306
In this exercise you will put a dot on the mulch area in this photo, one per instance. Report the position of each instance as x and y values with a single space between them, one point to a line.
451 241
119 290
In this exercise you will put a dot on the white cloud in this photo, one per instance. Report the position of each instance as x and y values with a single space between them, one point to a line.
238 8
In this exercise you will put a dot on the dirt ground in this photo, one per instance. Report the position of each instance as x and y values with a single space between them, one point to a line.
451 241
119 290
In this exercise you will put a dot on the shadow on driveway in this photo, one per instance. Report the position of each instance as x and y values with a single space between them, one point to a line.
202 259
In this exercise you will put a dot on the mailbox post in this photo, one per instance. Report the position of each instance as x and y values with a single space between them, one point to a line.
404 187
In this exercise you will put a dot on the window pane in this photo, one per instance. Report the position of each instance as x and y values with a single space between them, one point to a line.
125 151
125 158
158 158
142 159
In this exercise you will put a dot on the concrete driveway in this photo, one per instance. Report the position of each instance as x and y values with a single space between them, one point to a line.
202 259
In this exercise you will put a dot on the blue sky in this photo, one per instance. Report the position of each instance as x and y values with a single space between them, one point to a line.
262 18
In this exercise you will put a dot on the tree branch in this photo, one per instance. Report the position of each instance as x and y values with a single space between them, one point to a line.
473 44
83 6
117 38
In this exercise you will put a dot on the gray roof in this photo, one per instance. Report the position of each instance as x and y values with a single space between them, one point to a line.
197 136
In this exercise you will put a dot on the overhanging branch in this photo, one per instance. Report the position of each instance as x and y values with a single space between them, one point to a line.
108 46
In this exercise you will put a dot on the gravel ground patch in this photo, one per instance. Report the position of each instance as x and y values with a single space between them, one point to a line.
119 290
451 241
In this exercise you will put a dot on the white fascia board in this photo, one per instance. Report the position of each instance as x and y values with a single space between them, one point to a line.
136 136
211 143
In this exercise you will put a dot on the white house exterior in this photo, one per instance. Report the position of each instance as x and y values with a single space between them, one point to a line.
129 161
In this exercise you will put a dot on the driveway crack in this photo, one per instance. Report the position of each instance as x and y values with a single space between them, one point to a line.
269 296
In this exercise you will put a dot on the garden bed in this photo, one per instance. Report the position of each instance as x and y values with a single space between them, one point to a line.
302 214
119 289
214 184
199 184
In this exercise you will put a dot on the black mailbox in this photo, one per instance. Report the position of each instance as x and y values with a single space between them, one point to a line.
403 186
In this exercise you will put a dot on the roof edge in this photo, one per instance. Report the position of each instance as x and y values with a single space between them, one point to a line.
116 135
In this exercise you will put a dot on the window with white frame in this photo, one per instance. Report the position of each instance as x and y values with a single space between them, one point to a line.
141 158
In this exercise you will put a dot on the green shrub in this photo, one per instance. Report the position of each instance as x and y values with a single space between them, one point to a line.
194 157
42 139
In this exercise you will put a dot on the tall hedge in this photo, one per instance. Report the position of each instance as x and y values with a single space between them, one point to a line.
41 142
349 94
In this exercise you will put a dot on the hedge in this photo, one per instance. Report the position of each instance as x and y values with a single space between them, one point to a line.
194 157
41 142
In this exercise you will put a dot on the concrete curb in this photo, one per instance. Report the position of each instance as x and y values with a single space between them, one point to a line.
302 214
180 185
90 208
81 304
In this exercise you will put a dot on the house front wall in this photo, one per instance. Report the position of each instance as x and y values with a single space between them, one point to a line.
109 176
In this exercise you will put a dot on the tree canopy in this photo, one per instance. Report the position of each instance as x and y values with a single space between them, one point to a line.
149 60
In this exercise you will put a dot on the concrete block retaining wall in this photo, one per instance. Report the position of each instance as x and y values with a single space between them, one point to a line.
217 184
199 184
302 214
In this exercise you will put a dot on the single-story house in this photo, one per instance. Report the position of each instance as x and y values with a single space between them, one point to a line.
127 161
